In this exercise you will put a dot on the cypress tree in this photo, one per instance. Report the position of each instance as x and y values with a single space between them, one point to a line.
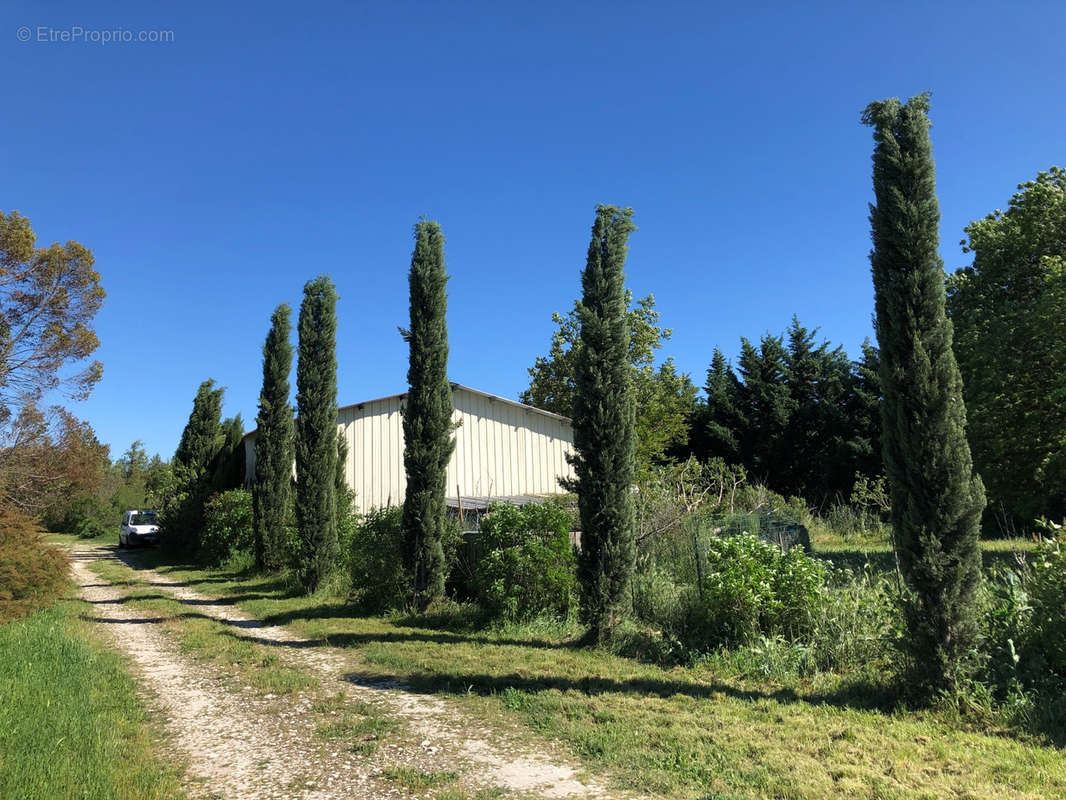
183 516
603 422
427 417
272 490
937 499
316 433
228 467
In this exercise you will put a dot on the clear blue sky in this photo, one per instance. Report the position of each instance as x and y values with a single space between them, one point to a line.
268 143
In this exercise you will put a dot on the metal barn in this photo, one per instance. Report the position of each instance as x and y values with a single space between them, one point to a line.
503 450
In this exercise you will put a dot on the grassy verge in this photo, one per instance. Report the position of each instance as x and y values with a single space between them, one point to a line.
723 728
71 724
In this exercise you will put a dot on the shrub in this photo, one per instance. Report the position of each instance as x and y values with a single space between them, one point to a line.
1047 594
750 588
228 528
32 574
526 565
379 579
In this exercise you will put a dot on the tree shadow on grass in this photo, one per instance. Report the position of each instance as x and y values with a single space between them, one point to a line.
861 697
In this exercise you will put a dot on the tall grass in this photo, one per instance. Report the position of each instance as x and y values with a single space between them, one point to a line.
71 724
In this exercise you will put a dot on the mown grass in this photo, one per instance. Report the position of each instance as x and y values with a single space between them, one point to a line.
721 728
71 722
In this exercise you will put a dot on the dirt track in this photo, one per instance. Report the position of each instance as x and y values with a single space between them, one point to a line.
239 744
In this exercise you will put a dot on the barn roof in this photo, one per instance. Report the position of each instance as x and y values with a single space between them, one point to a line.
492 397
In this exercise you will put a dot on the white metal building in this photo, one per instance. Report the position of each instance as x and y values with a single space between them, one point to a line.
503 449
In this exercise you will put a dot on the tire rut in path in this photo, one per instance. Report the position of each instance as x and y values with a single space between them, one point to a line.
243 745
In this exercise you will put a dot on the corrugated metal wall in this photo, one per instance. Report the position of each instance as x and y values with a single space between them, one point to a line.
501 449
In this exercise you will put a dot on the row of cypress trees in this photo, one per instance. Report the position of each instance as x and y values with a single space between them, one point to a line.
313 505
310 441
936 498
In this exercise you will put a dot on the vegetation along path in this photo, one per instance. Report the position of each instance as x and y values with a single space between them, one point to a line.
322 733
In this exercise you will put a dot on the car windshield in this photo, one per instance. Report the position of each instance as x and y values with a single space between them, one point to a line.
144 518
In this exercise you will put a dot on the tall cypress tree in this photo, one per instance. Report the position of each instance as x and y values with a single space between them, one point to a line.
603 422
183 515
316 433
427 417
937 499
272 490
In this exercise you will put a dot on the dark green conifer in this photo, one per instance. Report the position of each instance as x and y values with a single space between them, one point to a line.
603 422
722 423
937 500
427 417
316 433
272 489
228 467
183 515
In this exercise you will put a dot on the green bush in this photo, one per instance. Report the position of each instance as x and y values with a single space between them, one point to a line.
32 574
379 580
751 588
228 531
1047 594
526 565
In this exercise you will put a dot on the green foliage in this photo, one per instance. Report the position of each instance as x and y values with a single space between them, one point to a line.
48 298
665 399
751 587
227 471
228 528
1047 594
274 448
937 500
427 417
380 579
182 520
316 435
526 566
32 574
800 417
603 423
1010 341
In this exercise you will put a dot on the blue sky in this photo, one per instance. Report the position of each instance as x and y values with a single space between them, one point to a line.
268 143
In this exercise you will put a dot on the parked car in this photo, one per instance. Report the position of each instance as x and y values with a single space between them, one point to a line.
138 527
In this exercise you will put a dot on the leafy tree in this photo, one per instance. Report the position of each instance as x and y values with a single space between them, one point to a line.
182 517
48 298
603 419
316 434
158 483
665 398
274 453
937 499
1007 309
427 417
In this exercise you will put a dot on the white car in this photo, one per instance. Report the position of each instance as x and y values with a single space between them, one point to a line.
138 527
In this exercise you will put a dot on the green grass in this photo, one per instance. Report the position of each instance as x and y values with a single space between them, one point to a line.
418 780
715 729
71 723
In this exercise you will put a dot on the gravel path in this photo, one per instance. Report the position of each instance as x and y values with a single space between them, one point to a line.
241 744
